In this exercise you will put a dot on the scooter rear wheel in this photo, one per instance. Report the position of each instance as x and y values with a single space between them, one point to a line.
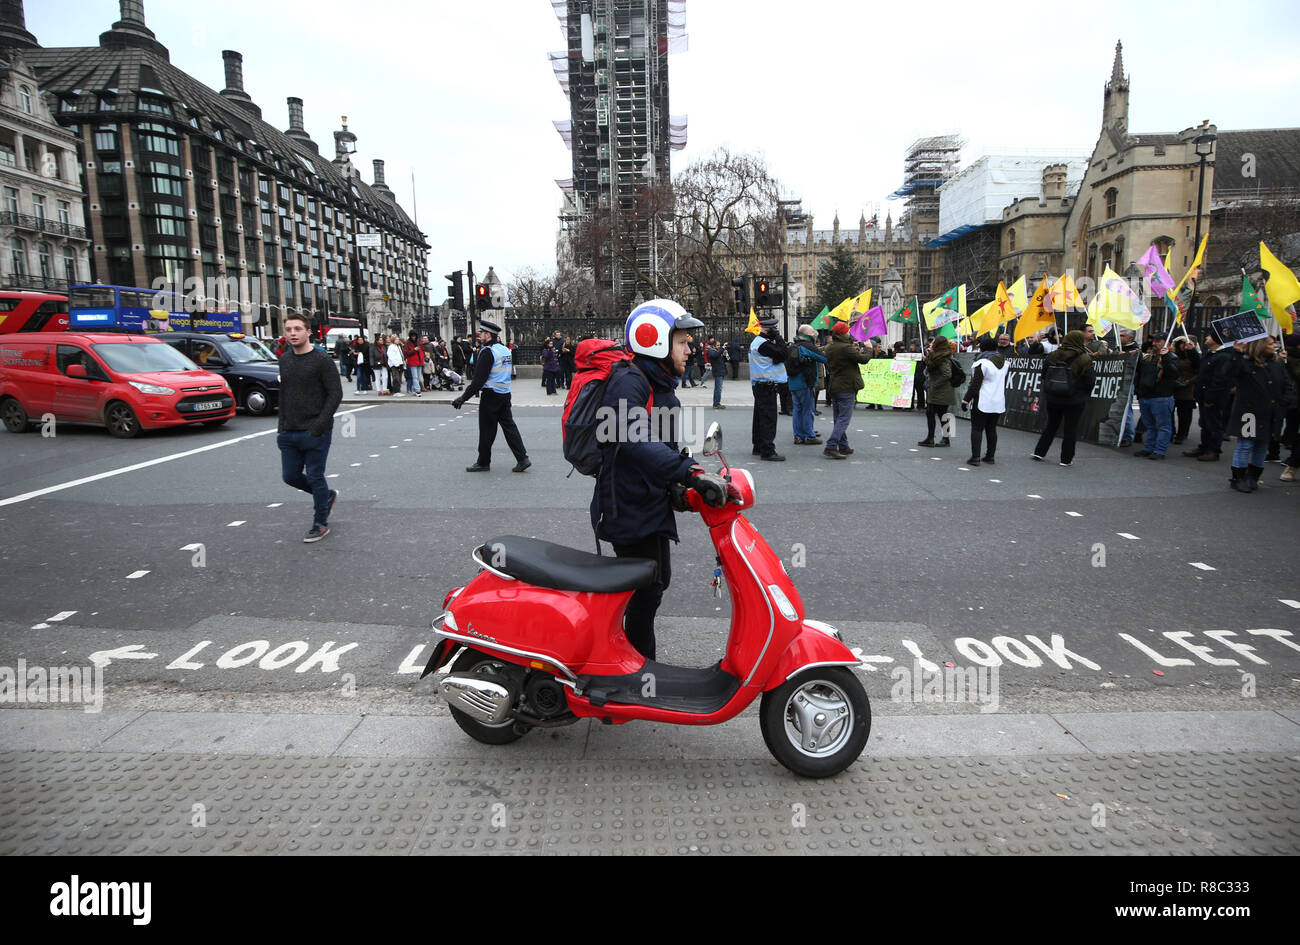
817 722
472 662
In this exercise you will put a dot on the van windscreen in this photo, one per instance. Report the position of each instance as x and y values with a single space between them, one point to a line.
143 357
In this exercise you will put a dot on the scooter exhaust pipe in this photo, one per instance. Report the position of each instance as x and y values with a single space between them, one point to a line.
481 699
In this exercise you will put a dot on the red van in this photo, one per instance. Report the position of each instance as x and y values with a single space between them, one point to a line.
32 311
124 382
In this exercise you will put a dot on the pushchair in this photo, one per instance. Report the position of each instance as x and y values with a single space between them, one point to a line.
447 379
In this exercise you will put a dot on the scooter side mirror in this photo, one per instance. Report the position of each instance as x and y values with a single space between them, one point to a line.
713 439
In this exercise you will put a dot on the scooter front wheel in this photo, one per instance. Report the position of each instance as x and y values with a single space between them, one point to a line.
817 722
472 662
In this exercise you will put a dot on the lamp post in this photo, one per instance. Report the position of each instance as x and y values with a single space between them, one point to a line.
1204 143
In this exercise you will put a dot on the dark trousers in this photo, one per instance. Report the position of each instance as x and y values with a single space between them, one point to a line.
1183 410
395 375
981 425
735 370
639 618
787 402
1070 415
365 377
494 411
302 465
1212 423
764 426
932 413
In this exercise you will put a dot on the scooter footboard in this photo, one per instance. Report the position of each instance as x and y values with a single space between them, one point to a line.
818 644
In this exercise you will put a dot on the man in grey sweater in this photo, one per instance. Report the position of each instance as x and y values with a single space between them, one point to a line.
310 392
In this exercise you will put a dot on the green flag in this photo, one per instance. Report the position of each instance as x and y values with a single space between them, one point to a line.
949 331
1250 300
907 313
823 322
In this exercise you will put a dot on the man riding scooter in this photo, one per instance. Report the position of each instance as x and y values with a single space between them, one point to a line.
631 507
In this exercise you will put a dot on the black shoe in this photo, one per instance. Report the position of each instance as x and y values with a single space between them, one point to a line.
1156 456
317 533
943 442
773 458
522 465
1071 462
817 413
1141 454
334 494
973 461
1179 440
477 468
833 454
925 442
719 406
757 451
1208 458
1194 454
1252 477
989 459
1038 458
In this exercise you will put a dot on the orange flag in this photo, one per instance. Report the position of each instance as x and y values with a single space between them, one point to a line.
1034 319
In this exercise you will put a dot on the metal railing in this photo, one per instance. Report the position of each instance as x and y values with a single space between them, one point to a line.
27 221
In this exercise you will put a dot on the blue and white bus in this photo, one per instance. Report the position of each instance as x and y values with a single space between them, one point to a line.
125 308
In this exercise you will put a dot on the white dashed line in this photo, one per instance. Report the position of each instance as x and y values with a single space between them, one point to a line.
895 443
235 524
392 447
374 455
407 440
275 505
1202 565
354 465
963 468
332 476
136 574
1032 496
1280 600
995 480
876 435
1128 536
65 614
1075 514
913 449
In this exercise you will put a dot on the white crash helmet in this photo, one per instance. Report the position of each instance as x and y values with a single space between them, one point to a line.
650 327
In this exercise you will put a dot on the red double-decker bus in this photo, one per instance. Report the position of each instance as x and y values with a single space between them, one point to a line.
32 311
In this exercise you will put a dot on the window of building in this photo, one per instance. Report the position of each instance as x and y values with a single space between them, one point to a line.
1112 198
69 265
25 99
11 200
17 257
8 156
65 212
1011 240
106 138
149 104
38 208
45 260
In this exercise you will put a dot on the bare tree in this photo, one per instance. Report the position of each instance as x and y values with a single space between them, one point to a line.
531 293
726 208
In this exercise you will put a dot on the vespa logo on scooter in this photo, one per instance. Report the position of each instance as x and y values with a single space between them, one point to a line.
482 636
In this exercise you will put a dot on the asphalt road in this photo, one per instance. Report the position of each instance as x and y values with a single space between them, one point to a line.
178 563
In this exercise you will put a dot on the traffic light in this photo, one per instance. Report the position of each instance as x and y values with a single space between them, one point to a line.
762 293
482 298
456 292
740 286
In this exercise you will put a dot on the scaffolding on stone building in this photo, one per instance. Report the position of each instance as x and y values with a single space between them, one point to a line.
928 165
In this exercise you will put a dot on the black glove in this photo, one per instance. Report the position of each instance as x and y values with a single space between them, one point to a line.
677 497
711 487
458 402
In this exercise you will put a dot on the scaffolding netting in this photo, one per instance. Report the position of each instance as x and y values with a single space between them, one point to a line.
565 128
677 38
560 64
677 132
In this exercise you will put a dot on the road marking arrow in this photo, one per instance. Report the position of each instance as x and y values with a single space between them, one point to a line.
104 657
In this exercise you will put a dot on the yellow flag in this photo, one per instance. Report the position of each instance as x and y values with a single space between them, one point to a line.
753 327
965 328
1034 319
862 303
843 311
985 319
1196 263
1018 293
1063 296
1282 288
1117 302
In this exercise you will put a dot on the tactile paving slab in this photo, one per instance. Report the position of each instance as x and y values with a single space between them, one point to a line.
105 803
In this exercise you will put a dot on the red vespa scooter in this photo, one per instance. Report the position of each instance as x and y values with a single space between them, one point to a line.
540 634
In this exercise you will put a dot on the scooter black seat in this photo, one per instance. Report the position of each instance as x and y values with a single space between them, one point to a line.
545 564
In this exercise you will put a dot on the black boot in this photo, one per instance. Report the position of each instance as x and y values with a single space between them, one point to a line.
1238 479
1252 477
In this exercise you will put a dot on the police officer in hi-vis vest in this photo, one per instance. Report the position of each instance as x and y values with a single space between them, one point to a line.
492 376
767 356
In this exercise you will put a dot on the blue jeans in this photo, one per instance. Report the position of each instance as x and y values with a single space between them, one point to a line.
1158 418
1249 452
843 406
413 372
302 465
717 388
803 414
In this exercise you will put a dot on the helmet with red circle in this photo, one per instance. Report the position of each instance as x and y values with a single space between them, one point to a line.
650 327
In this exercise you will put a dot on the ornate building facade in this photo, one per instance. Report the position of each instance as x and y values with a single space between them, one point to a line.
183 183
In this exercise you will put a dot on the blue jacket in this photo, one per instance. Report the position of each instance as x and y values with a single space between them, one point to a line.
630 501
803 351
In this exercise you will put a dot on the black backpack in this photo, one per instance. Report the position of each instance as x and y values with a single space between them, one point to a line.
1058 380
958 375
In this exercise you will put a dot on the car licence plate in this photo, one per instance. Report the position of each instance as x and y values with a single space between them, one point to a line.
208 405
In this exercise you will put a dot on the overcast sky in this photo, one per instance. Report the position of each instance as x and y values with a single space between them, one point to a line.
831 93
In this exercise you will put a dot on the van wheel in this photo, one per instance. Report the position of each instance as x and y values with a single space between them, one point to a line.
121 420
256 403
15 417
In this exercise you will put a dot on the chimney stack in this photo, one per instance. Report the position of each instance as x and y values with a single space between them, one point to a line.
131 32
13 26
234 90
296 130
379 173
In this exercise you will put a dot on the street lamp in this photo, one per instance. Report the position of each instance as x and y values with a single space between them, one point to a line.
1204 143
